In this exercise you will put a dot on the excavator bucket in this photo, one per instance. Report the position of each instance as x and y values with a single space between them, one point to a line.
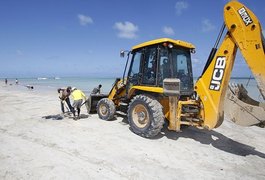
242 109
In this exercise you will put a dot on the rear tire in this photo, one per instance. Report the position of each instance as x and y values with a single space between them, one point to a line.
145 116
106 109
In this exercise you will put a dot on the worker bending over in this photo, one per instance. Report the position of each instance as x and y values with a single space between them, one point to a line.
64 94
78 97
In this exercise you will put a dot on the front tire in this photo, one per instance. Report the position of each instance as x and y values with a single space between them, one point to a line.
145 116
106 109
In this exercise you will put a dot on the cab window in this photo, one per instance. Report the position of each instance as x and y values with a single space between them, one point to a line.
134 73
150 66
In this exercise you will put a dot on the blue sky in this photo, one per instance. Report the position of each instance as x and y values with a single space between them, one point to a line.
84 37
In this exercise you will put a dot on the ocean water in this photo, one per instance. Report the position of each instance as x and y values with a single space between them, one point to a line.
87 84
52 84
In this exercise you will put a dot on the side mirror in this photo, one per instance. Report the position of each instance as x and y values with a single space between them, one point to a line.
122 53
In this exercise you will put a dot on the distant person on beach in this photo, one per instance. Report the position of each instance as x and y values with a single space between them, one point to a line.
16 82
6 81
78 97
64 94
96 90
30 87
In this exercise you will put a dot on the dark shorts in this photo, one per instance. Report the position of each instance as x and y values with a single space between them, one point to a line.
77 103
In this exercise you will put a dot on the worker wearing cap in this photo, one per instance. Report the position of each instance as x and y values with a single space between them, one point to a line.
78 97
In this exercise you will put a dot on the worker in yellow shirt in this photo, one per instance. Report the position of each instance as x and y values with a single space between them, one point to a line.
78 97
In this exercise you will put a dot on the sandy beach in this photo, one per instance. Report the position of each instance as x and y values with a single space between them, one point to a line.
33 147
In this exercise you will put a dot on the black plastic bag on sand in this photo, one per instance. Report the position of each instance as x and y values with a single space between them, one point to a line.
53 117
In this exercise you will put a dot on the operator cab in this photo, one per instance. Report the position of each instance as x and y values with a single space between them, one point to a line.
153 61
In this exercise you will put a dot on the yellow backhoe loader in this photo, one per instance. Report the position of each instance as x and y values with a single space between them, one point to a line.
159 83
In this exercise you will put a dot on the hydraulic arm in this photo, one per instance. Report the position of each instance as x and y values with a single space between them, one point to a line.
244 33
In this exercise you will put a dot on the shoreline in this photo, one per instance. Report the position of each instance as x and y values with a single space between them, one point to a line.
86 84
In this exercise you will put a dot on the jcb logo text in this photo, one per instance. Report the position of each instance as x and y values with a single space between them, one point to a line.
218 73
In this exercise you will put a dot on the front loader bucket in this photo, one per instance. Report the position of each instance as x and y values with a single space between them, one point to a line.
242 109
94 99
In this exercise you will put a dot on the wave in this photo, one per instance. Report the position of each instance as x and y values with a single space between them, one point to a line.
42 78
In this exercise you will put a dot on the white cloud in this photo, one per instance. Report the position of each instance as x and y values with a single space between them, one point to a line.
84 20
207 26
181 6
168 30
263 32
126 30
